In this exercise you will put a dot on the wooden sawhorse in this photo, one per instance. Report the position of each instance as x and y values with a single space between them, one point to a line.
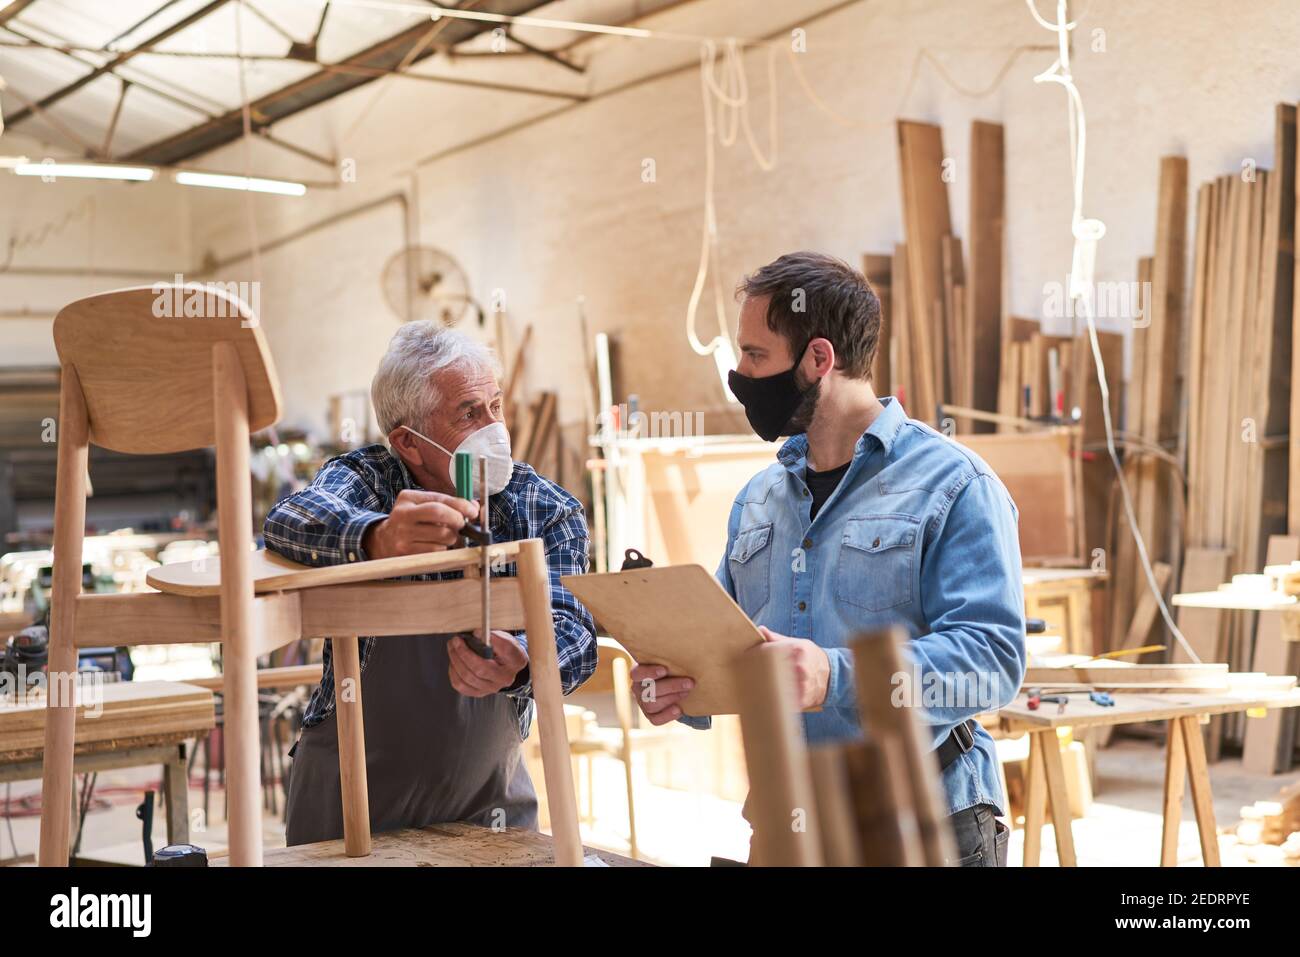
1185 760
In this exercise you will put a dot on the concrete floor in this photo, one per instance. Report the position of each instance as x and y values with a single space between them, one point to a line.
680 828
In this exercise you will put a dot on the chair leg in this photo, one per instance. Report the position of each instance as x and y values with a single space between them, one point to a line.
352 746
234 531
61 670
631 810
543 663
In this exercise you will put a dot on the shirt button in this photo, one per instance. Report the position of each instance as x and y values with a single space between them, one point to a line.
803 606
352 556
876 543
807 543
806 492
313 555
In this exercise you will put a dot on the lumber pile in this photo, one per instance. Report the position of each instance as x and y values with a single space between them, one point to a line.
110 711
1151 426
1122 676
538 439
946 318
1046 376
878 268
1238 457
1272 824
1241 319
1038 376
1272 820
534 427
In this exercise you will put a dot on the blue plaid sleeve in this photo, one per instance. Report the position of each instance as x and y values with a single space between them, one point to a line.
565 538
324 523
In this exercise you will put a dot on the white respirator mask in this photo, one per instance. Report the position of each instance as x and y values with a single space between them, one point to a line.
492 442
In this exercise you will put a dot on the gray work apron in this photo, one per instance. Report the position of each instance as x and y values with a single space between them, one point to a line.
432 755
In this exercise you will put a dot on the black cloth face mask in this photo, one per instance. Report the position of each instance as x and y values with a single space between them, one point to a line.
771 401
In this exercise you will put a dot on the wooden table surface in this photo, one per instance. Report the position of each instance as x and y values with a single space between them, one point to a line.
1131 708
110 745
439 845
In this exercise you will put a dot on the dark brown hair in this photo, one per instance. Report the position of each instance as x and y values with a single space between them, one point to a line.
815 296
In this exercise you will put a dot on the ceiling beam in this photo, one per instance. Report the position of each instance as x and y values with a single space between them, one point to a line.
15 8
66 91
357 70
78 55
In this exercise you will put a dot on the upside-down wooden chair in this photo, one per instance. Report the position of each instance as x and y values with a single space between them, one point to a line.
874 802
136 383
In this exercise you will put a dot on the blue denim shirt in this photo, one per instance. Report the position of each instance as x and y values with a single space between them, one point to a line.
921 533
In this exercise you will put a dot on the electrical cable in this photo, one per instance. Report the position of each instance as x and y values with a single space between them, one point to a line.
1087 232
726 114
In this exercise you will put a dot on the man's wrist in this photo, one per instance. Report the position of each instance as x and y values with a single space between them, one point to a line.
356 541
368 543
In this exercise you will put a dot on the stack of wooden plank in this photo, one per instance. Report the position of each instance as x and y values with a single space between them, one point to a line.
1047 375
1075 673
878 268
1273 821
943 316
537 438
1240 402
1239 357
1151 411
113 711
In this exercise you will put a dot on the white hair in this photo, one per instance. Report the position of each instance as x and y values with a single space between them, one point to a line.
404 390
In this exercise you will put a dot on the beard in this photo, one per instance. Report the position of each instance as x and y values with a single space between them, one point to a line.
803 413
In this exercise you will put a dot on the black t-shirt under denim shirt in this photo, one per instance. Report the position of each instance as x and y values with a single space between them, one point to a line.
823 484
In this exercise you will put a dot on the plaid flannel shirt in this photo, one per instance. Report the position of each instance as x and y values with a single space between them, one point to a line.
324 523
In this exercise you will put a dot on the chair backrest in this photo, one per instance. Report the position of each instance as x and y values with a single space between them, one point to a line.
602 679
144 359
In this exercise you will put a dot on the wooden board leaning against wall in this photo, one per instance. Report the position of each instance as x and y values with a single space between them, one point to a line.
1238 370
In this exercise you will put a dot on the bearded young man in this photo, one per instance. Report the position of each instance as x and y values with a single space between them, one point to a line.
867 518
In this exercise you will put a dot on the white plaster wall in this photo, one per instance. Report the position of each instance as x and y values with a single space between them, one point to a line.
63 240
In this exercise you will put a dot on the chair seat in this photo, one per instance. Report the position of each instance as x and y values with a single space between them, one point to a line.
272 572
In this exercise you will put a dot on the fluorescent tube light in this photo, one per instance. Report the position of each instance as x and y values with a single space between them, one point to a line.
84 171
222 181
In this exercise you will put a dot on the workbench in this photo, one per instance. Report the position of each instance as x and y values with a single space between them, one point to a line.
438 845
139 724
1185 759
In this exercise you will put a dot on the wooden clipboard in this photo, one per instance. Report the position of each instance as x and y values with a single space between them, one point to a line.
677 616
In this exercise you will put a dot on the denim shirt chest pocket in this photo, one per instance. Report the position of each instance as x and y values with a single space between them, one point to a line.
751 564
877 561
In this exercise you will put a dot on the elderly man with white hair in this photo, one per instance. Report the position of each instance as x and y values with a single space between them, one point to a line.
443 725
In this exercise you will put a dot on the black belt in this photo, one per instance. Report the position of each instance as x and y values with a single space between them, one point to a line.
956 744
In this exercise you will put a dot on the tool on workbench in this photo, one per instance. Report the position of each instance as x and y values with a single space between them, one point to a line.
1102 698
480 534
1036 698
1125 652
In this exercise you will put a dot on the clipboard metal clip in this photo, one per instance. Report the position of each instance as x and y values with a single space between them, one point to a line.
634 559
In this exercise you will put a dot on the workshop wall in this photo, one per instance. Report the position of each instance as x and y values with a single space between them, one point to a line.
558 209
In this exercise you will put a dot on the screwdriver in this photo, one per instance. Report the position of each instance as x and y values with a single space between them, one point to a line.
482 535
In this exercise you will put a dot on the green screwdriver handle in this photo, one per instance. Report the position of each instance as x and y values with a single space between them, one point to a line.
464 475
